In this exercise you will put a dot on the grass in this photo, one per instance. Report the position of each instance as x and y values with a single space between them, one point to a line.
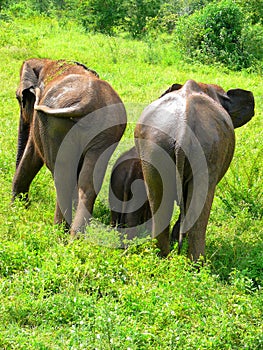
88 295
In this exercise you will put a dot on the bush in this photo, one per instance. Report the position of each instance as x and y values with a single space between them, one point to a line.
214 34
101 15
28 8
253 10
138 12
105 16
252 39
165 20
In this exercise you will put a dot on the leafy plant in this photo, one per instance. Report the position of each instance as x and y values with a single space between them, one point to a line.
101 16
214 34
252 41
253 10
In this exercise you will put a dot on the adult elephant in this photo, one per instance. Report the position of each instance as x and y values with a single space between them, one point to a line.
127 194
70 120
186 142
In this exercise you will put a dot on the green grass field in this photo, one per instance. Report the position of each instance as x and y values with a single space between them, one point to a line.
88 295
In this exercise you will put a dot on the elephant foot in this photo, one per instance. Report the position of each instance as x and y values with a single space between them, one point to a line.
22 198
75 234
163 253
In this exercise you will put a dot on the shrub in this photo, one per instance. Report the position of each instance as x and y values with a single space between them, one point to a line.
138 12
28 8
101 15
106 16
253 10
16 9
165 20
214 34
252 40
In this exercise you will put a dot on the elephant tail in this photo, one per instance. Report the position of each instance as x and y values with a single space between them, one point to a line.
180 160
76 111
68 112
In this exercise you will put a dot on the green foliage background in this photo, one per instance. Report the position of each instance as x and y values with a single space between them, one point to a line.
57 294
215 33
227 32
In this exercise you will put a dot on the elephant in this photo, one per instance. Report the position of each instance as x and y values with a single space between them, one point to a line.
127 196
71 121
186 140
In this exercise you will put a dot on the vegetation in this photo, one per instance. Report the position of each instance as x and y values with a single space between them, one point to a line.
88 294
224 32
215 33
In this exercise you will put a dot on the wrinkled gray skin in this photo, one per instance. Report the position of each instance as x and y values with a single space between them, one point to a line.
194 125
54 98
127 196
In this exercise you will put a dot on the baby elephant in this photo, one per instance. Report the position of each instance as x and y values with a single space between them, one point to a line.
127 194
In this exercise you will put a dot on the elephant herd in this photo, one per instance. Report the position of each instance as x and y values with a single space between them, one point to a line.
72 121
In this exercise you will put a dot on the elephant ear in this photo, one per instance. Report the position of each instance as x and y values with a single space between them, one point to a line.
28 76
26 91
26 97
172 88
240 105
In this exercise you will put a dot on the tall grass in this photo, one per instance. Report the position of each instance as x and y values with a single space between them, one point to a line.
88 295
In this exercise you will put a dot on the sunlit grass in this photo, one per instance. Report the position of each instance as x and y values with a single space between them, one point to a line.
57 294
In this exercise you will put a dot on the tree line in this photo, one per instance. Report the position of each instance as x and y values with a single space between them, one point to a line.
228 32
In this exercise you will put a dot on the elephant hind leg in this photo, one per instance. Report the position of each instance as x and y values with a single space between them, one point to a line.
160 192
64 217
65 177
196 217
89 184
